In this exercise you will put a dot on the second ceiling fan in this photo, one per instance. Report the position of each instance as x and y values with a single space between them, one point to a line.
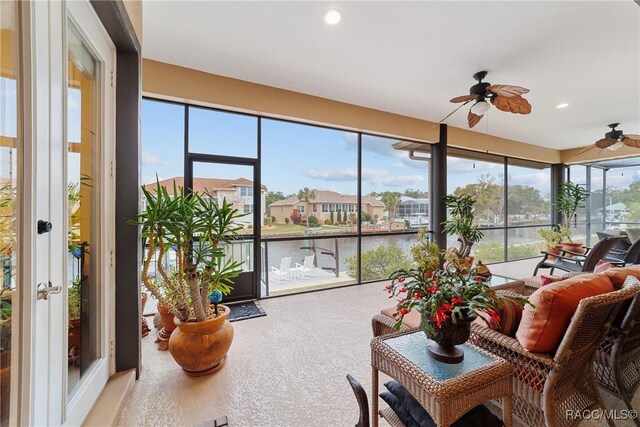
504 97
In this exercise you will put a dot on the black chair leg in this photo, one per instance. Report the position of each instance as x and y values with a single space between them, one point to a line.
363 402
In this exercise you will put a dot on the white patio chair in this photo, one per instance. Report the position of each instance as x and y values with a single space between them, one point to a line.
305 267
284 272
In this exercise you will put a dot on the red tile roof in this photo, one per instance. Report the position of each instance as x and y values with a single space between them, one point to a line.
204 185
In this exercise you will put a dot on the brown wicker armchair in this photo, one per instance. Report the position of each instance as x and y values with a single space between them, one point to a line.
546 386
617 362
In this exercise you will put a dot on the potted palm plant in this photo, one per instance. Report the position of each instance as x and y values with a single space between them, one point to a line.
196 227
461 223
571 197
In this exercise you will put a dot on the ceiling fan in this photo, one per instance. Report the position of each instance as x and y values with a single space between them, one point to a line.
615 139
504 97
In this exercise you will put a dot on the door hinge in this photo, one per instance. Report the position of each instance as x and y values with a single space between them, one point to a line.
111 258
112 82
111 169
111 348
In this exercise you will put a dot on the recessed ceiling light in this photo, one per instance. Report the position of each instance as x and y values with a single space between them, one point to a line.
561 106
332 17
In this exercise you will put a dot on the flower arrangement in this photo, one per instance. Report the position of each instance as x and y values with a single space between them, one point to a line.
448 295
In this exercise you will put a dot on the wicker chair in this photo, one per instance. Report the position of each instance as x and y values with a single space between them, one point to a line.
617 362
575 262
630 256
546 386
383 325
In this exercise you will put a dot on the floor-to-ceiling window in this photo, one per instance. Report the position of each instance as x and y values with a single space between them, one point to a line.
336 207
622 199
513 202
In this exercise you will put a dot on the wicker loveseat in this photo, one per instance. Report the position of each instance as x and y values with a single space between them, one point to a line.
547 386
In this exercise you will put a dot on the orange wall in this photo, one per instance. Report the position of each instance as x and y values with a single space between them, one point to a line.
182 84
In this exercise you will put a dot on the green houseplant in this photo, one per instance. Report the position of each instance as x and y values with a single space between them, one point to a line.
426 254
461 223
571 197
448 301
552 238
195 227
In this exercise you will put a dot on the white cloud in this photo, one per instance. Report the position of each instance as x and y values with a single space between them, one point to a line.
149 159
376 177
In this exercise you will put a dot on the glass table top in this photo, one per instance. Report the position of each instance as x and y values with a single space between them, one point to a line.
500 280
414 348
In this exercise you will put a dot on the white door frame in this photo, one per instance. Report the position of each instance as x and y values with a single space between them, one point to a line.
43 380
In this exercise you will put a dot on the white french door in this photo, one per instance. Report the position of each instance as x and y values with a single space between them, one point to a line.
68 166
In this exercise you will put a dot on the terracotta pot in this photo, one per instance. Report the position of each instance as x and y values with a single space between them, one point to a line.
167 319
555 250
200 348
443 340
428 274
573 247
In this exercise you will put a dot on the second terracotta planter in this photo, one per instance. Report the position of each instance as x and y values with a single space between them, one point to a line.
200 348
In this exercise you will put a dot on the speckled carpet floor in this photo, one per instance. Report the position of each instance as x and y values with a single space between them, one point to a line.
285 369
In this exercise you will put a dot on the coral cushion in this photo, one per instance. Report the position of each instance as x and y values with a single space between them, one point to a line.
542 328
545 280
619 274
602 266
411 319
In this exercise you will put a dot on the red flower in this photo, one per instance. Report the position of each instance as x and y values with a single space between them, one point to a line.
400 279
417 295
403 310
388 287
433 289
401 300
403 289
456 300
495 317
479 280
445 307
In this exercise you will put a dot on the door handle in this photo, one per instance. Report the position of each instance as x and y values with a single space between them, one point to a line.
44 290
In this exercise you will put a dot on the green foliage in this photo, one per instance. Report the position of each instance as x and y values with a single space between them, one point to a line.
267 221
488 197
447 294
306 195
195 226
73 298
551 236
571 197
328 222
425 253
287 220
416 194
461 222
331 217
313 220
273 196
344 217
379 263
494 251
365 216
634 212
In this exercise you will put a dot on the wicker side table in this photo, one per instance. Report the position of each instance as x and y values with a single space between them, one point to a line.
447 391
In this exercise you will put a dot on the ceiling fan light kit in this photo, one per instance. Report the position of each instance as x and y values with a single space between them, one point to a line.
615 139
506 98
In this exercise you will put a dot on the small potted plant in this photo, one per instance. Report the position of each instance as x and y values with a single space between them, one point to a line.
74 303
552 238
196 227
571 197
448 301
426 254
461 223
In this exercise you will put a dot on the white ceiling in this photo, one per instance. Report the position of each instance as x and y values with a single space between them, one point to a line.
412 57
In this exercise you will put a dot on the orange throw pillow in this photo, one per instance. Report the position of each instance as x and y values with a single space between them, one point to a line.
543 327
619 274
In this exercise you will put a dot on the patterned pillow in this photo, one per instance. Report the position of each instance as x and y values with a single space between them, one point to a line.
601 266
510 315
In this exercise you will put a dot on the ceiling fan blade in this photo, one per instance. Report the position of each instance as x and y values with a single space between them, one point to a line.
632 141
473 119
507 90
463 98
605 143
513 104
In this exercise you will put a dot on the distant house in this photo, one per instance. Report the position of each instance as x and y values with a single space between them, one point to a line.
323 204
616 212
409 207
238 192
